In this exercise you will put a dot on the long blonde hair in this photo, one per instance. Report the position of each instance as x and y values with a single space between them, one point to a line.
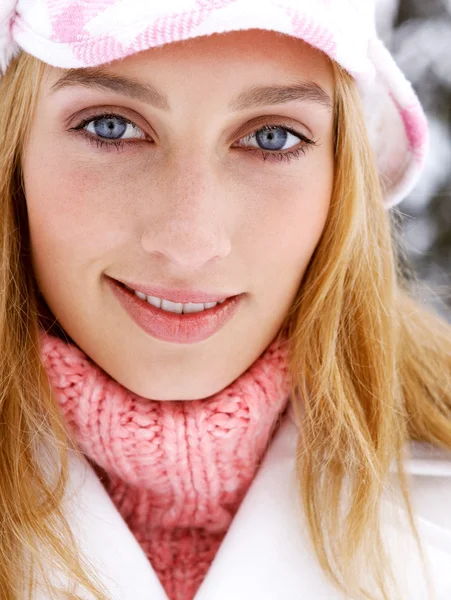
371 370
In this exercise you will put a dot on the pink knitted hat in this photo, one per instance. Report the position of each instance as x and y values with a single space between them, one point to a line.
83 33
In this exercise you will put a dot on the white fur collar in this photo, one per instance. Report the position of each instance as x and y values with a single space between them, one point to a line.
266 554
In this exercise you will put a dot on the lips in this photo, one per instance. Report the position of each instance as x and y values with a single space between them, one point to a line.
182 296
171 327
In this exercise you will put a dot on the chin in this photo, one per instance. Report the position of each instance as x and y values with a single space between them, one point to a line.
166 393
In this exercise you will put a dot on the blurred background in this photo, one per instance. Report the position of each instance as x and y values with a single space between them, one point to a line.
418 33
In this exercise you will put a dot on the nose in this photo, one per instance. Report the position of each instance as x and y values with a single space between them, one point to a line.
188 225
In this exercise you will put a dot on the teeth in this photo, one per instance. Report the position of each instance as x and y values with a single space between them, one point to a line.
193 307
153 300
177 307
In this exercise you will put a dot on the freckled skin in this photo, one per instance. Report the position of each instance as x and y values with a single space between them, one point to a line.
184 208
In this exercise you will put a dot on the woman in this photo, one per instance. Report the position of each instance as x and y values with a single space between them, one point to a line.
215 381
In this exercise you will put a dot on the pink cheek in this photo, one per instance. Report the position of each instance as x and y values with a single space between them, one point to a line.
67 190
61 210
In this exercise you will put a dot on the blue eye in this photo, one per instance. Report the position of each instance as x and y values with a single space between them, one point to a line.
273 138
113 127
108 127
276 143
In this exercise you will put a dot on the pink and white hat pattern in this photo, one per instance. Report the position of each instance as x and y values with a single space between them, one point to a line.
82 33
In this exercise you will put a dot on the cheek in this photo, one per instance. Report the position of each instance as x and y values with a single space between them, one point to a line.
296 209
295 220
73 223
73 208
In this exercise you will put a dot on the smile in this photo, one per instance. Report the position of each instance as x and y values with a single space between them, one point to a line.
175 322
176 307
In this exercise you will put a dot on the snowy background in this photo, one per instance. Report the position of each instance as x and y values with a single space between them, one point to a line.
418 32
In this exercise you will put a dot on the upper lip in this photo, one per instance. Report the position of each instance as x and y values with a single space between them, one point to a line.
176 295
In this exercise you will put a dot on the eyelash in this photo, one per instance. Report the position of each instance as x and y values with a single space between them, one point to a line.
264 155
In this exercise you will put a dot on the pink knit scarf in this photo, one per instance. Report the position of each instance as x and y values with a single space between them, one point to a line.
177 471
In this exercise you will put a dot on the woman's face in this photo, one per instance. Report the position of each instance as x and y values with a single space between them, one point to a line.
202 168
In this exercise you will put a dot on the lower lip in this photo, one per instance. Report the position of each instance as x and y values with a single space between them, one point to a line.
171 327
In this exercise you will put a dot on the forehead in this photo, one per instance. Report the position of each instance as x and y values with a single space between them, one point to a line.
253 56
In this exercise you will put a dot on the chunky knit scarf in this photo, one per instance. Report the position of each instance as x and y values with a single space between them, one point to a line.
177 471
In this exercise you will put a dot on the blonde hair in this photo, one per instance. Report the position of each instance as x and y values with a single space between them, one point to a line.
370 369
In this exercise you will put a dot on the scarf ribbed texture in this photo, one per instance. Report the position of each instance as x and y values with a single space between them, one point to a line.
177 471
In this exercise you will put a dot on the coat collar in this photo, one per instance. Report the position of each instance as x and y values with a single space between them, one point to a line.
265 553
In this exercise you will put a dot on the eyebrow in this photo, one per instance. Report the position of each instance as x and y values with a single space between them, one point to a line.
102 80
254 97
305 91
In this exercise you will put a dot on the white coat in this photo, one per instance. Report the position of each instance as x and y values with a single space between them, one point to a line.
265 554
